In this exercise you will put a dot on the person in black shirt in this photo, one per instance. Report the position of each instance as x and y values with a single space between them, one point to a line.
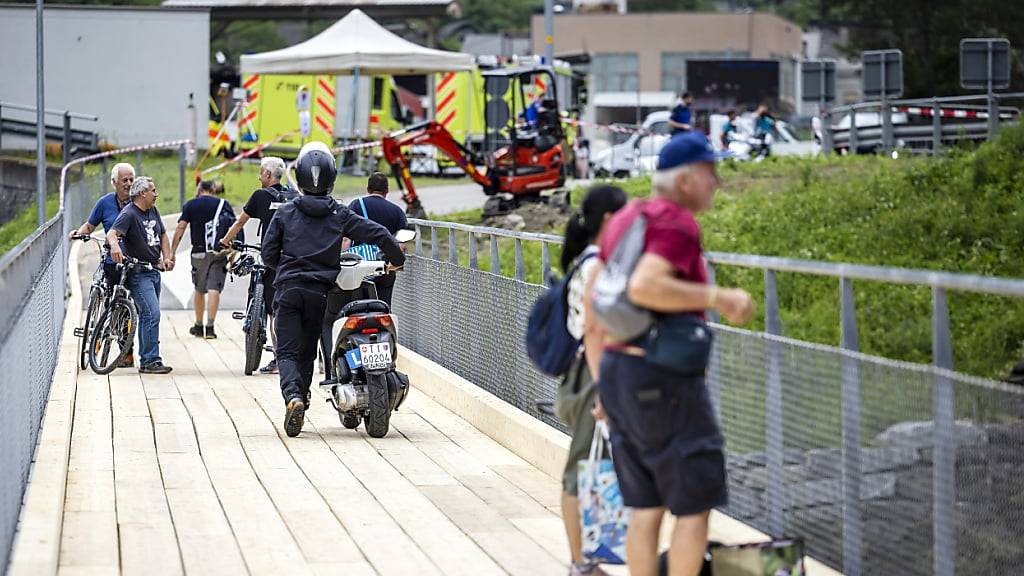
209 265
139 232
262 205
376 207
303 244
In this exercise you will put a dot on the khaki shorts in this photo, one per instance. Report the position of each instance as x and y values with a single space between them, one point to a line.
209 271
573 404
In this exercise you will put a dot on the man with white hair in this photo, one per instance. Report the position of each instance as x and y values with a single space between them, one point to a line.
262 205
139 232
105 212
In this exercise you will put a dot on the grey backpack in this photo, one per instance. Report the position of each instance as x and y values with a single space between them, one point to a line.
624 320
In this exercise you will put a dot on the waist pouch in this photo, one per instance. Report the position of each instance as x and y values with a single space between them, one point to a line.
679 342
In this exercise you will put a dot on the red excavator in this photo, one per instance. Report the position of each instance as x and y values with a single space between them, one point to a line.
522 153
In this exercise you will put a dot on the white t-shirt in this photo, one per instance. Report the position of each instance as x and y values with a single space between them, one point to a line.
574 297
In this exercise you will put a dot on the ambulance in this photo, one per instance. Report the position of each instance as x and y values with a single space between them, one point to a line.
270 116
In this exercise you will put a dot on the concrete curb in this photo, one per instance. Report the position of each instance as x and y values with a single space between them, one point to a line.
36 547
535 442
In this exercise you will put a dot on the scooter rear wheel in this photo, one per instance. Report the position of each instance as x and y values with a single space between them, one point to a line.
379 416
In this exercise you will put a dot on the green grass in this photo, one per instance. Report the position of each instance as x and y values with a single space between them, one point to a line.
23 225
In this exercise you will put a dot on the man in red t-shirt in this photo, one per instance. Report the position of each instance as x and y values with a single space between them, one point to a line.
667 447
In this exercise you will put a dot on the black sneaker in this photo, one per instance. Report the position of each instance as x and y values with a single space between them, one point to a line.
210 334
294 417
196 330
270 368
154 368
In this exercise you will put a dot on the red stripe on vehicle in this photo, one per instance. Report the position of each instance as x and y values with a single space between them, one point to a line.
448 119
320 122
447 100
325 106
326 87
252 80
445 80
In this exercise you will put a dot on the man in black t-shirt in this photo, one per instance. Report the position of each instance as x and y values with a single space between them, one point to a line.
262 205
139 232
209 266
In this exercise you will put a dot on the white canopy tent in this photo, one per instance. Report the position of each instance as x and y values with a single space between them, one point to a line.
356 44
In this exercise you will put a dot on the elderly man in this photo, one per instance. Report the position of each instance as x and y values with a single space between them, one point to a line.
139 232
667 444
262 205
202 215
104 212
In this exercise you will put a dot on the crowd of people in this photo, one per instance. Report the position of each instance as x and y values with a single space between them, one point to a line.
665 440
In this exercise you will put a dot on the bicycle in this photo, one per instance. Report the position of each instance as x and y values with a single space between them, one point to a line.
98 299
255 307
116 327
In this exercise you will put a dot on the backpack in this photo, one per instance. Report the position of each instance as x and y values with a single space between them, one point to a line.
548 342
365 251
218 227
281 196
611 305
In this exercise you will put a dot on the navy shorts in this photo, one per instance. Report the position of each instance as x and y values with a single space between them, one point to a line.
666 444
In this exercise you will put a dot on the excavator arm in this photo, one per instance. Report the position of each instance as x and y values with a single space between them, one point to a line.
429 132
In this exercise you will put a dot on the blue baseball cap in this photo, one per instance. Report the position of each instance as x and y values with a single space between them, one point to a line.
685 148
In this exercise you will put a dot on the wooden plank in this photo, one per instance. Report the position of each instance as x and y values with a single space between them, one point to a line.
514 551
127 395
149 548
548 533
414 465
504 497
89 491
343 568
89 539
202 528
169 411
177 437
541 487
159 386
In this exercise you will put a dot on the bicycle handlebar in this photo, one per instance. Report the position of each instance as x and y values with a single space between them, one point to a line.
239 245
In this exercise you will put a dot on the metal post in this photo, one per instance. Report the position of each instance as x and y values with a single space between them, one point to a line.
549 32
827 136
2 131
82 197
944 455
936 127
40 121
65 143
495 263
773 409
105 176
181 174
473 264
851 457
714 380
352 101
419 240
545 264
888 142
138 162
993 114
433 243
519 260
853 138
453 250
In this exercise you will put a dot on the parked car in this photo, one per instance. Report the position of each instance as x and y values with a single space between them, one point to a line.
638 152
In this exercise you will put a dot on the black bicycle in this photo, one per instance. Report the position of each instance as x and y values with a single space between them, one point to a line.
248 263
111 339
98 299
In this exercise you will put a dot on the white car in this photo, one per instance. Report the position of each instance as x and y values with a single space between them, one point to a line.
782 142
638 152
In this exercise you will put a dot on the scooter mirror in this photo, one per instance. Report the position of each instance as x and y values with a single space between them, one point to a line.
405 235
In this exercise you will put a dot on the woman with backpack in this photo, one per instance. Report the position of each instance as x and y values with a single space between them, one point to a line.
576 393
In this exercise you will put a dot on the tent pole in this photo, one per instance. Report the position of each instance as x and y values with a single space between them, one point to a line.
351 130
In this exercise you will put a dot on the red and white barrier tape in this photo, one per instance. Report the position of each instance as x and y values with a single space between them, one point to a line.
947 112
247 153
119 151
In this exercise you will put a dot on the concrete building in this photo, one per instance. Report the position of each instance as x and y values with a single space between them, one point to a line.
641 61
134 68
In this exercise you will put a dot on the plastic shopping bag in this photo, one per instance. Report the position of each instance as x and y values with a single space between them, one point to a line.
603 516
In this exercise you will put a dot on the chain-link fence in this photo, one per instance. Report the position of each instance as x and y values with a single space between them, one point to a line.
34 286
842 449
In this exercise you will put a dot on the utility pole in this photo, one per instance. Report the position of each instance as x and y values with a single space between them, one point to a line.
549 32
40 120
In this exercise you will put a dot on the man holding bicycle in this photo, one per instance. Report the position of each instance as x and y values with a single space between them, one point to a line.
138 232
262 205
105 212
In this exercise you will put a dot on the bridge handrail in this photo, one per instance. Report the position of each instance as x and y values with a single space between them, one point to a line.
25 108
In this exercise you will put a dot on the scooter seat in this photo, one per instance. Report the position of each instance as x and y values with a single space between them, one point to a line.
358 307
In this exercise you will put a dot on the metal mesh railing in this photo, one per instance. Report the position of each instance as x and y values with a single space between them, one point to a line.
842 449
34 286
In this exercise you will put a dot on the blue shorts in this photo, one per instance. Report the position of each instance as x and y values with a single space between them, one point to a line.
666 444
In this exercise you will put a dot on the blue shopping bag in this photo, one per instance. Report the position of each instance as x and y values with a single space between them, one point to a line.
603 516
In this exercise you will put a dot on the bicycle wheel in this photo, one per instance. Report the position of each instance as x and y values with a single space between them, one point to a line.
92 315
113 335
256 337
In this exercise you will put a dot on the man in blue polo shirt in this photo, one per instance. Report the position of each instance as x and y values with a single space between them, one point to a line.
681 119
376 207
105 212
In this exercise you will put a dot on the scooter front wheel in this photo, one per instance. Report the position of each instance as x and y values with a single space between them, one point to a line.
378 417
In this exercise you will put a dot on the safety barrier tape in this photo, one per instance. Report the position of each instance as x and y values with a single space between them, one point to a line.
948 112
119 151
246 154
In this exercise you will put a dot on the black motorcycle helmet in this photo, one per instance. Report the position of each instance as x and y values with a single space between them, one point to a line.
315 170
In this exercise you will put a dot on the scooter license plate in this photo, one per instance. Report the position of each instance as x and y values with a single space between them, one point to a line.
375 356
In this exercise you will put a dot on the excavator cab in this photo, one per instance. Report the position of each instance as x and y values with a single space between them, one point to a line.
522 153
